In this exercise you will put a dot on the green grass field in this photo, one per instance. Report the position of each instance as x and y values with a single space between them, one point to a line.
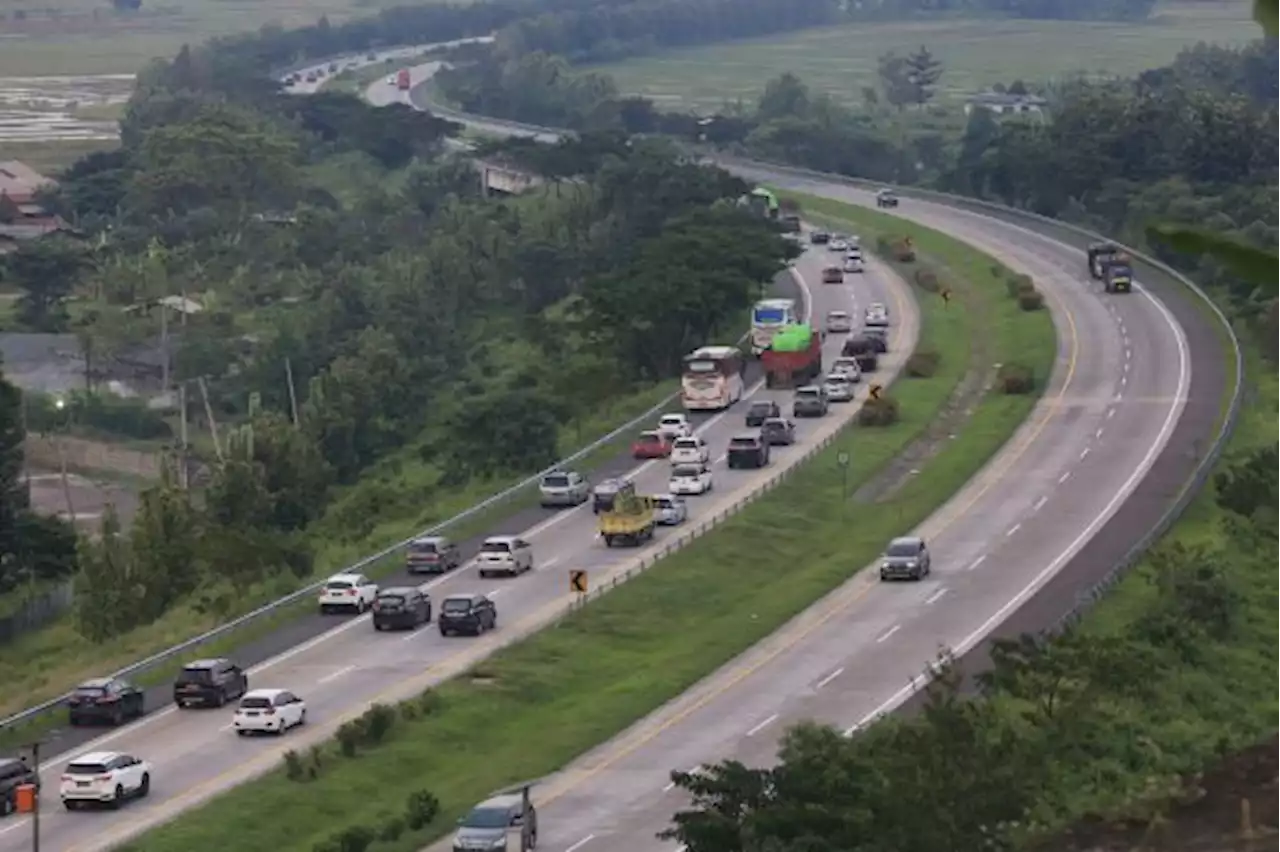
976 53
89 37
544 701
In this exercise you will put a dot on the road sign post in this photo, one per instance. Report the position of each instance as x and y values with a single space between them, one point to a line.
842 459
578 581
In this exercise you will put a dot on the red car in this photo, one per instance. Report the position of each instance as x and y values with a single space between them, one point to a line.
651 445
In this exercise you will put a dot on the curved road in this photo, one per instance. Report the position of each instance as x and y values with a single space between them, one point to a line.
196 755
1118 392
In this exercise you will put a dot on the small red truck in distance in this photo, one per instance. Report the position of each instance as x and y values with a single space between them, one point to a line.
402 80
794 358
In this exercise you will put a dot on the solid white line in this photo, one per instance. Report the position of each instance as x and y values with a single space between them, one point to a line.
335 675
936 595
975 563
583 842
1039 504
884 637
1084 452
760 727
1111 412
1013 530
826 680
1064 477
1097 433
1127 362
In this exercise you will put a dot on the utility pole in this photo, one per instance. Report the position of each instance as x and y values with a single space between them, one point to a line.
293 394
182 405
35 805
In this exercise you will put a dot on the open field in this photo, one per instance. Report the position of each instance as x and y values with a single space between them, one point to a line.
976 54
543 701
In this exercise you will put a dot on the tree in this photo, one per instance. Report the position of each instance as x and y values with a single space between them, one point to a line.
47 271
784 96
510 432
163 541
923 72
14 498
106 589
895 80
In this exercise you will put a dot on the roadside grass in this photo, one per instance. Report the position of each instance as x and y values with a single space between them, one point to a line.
536 705
44 664
975 53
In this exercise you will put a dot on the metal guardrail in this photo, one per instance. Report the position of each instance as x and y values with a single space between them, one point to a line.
1075 236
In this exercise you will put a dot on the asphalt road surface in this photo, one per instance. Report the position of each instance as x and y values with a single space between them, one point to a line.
1120 387
195 754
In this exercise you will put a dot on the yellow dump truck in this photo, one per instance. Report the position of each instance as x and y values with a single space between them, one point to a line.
631 520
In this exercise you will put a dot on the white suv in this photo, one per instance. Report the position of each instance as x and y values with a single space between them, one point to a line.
691 450
104 777
348 591
675 426
505 554
271 711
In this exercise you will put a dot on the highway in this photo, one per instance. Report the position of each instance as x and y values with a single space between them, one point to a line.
195 754
1119 390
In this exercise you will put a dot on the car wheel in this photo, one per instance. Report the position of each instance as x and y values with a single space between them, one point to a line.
144 789
7 806
70 805
118 799
360 607
444 632
240 732
220 699
484 575
117 716
377 626
302 717
427 620
884 577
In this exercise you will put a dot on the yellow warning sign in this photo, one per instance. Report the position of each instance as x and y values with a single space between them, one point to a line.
578 582
875 391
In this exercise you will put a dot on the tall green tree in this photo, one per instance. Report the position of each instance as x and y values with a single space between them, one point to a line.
46 271
163 541
106 589
923 71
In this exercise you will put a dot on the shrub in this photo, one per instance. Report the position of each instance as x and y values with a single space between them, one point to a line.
903 252
101 412
1015 379
378 721
927 280
1019 284
1032 300
879 412
349 735
428 702
421 808
884 246
355 838
923 363
997 271
293 767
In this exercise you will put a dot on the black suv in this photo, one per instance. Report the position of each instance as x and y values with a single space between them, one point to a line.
104 699
760 411
778 431
432 555
748 451
401 608
13 774
467 613
209 683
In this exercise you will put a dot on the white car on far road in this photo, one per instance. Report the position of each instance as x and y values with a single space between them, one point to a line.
847 367
675 426
690 450
269 711
687 479
838 387
877 315
348 591
839 321
104 777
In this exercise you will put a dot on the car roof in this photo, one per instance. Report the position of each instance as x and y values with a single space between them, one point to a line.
95 681
673 415
399 590
470 597
266 692
764 403
745 436
809 388
688 439
503 800
837 313
349 576
504 538
206 663
776 420
907 539
428 539
836 377
96 757
651 433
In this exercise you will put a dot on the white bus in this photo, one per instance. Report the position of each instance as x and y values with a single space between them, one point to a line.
767 317
712 378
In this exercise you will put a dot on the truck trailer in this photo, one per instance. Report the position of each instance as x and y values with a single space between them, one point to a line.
794 358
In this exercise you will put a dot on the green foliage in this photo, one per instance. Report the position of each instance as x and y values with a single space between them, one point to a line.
1014 378
1030 300
923 363
46 271
883 411
98 412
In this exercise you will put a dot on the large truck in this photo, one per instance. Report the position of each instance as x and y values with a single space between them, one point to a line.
794 357
1101 254
403 81
630 520
1112 266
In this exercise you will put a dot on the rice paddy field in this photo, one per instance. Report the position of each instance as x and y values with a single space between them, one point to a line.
975 53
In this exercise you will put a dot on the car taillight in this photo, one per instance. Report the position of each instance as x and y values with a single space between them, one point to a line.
68 778
107 699
351 591
102 778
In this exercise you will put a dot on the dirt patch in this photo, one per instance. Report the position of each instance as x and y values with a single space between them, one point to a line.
959 407
83 498
1230 808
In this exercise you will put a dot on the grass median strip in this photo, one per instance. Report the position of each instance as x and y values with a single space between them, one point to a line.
535 706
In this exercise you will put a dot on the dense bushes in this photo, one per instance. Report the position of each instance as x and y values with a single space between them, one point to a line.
878 411
100 412
923 363
1015 379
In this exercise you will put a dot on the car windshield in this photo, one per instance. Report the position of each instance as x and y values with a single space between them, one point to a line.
391 600
902 548
686 470
496 547
663 502
745 443
334 585
456 605
807 393
837 315
607 488
837 379
687 444
423 548
761 407
672 420
255 702
650 438
486 818
555 480
86 769
195 676
90 691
